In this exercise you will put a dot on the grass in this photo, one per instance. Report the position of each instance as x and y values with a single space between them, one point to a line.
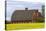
24 26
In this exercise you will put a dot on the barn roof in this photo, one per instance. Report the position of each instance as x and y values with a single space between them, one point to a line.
23 14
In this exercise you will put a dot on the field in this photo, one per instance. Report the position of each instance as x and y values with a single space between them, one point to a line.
24 26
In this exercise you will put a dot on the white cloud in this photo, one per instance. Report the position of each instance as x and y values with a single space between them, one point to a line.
28 0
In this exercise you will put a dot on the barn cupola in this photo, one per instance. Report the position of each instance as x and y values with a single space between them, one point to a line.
26 9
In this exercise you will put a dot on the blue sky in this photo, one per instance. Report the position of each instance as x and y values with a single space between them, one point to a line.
13 5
